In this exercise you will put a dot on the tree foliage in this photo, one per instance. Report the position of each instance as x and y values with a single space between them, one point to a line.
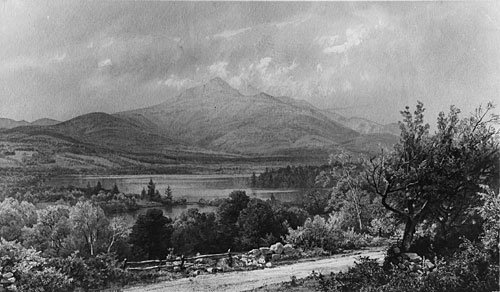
436 177
150 237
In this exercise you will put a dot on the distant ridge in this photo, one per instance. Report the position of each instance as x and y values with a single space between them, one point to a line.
9 124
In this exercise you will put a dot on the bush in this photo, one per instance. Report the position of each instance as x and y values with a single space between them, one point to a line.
471 269
317 232
46 280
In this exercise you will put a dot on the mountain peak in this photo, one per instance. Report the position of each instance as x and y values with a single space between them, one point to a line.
218 82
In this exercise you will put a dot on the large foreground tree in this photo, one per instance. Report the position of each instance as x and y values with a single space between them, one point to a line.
436 177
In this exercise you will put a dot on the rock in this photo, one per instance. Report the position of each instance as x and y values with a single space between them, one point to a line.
277 248
396 250
265 250
210 270
197 273
268 265
288 249
413 257
429 265
255 252
275 257
8 275
261 260
177 269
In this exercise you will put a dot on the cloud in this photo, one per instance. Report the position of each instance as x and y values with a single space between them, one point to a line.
354 37
104 63
295 22
263 64
231 33
58 58
218 69
178 83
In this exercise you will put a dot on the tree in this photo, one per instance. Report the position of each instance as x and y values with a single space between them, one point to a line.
98 187
257 222
15 215
195 232
253 180
436 177
151 189
230 209
50 233
316 202
227 216
168 195
115 190
88 222
118 230
151 235
349 195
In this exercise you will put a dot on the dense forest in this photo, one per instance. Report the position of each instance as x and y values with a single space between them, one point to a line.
303 177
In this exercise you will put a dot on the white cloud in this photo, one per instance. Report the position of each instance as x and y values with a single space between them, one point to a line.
218 69
178 83
263 64
354 37
319 68
108 42
231 33
58 58
326 41
104 63
294 22
346 86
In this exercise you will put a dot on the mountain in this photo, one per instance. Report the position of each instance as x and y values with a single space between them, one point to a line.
44 122
9 124
218 117
209 123
361 125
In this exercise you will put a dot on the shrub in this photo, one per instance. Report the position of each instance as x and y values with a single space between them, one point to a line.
317 232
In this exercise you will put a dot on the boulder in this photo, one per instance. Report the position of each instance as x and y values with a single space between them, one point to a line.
265 250
429 265
413 257
261 260
210 270
8 275
275 257
277 248
288 249
255 252
268 265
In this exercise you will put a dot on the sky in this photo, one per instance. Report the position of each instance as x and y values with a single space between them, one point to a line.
61 59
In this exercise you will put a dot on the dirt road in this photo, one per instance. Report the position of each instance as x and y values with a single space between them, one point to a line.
242 281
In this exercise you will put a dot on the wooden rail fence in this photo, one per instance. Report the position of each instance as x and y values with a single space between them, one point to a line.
171 262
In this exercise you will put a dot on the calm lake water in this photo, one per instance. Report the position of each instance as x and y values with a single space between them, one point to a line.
191 187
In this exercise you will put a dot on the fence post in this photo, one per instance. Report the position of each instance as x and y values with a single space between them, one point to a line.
182 262
230 262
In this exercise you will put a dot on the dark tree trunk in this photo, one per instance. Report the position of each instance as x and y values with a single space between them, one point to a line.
408 234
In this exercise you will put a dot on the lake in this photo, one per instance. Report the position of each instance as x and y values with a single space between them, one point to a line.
192 187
